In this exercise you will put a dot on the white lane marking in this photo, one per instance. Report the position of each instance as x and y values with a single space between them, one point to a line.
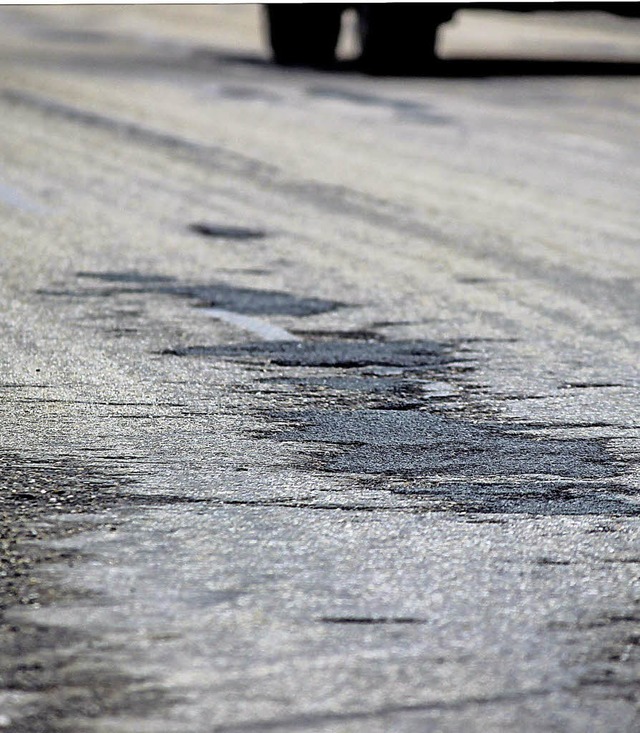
11 197
264 329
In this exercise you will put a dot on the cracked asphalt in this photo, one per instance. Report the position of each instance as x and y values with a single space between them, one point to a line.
319 391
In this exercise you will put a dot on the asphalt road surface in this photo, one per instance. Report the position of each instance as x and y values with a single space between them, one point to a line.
319 391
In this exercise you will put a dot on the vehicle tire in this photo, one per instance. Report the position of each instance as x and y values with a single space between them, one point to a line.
303 34
399 38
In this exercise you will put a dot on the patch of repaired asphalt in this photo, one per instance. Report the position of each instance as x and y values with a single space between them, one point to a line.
361 334
39 676
248 301
243 93
402 109
216 231
335 354
399 414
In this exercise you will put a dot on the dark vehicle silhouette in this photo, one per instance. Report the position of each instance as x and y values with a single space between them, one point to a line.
394 38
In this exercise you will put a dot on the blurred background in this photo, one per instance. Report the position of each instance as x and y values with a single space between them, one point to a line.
472 33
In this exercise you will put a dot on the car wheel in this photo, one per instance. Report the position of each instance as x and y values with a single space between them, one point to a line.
398 38
303 34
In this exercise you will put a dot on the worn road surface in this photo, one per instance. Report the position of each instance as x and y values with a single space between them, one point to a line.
319 391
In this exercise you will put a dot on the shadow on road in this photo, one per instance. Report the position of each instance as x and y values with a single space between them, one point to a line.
477 68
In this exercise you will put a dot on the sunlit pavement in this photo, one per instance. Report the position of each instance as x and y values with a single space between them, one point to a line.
319 390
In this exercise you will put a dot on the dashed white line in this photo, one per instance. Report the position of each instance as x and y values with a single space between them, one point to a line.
14 198
265 330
